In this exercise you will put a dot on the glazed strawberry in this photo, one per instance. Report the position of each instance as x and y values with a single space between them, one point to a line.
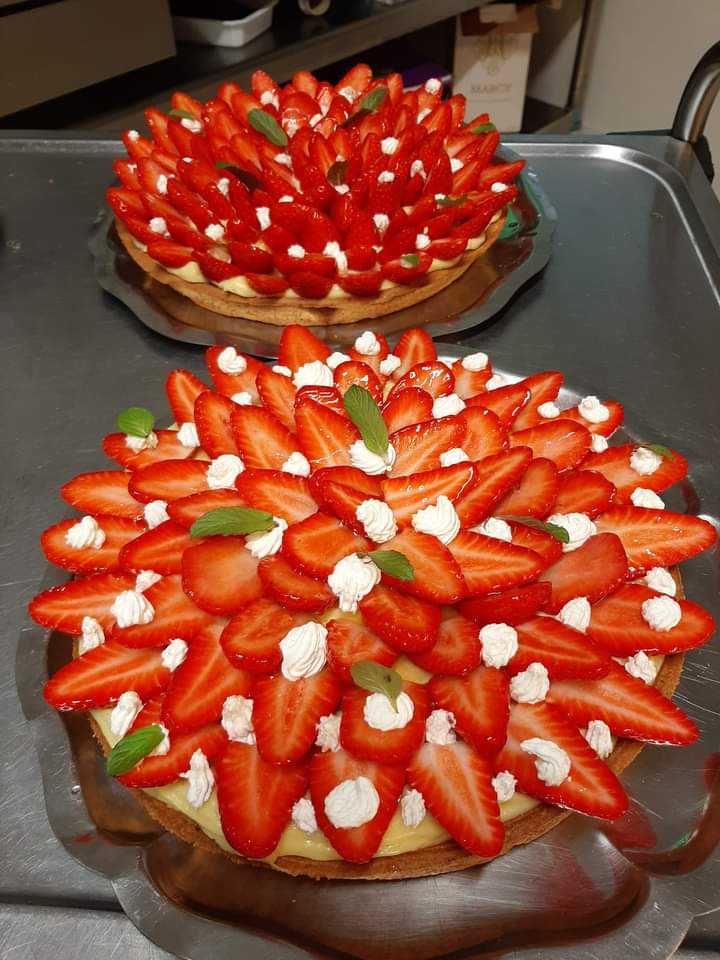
160 549
590 787
629 706
604 428
656 538
175 615
455 783
220 575
325 436
117 532
414 346
125 203
365 284
456 650
593 570
479 703
348 477
255 798
494 475
618 626
484 435
406 624
298 346
64 607
277 394
514 605
431 376
384 746
505 402
535 495
183 389
565 652
488 564
104 491
562 441
169 253
468 383
406 495
286 713
292 589
278 493
187 510
583 491
213 420
544 388
615 465
404 409
168 448
350 642
326 772
325 396
419 446
231 383
169 480
437 576
264 443
316 544
548 547
251 640
99 677
354 372
267 286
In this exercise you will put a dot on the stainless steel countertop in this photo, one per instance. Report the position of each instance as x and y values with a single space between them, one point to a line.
628 307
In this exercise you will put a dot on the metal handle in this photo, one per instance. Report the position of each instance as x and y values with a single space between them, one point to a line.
698 97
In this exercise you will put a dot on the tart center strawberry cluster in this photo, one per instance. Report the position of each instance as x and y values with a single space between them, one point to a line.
352 588
311 187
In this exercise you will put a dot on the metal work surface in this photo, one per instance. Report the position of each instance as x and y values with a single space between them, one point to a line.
628 307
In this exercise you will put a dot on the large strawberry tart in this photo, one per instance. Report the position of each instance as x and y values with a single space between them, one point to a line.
382 614
312 203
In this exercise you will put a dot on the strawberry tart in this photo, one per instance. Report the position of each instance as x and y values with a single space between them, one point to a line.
312 203
375 615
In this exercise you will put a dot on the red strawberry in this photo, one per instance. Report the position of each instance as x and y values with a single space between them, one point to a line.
267 286
169 480
293 589
376 359
118 532
99 677
562 441
448 249
175 616
357 78
484 434
630 707
169 253
350 642
594 570
315 545
213 415
220 575
500 173
494 475
606 427
437 576
104 491
456 650
329 770
255 799
591 787
385 746
468 383
183 389
567 653
505 402
514 605
544 544
63 608
278 396
414 346
310 286
403 409
325 396
279 493
168 448
543 388
456 785
365 284
264 443
536 494
419 446
251 640
614 464
403 622
347 477
431 376
488 564
325 436
583 491
618 626
354 372
298 346
159 549
230 383
480 703
127 175
187 510
406 495
286 713
214 269
249 258
656 538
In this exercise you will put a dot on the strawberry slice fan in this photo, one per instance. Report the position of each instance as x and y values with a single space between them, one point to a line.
374 604
361 197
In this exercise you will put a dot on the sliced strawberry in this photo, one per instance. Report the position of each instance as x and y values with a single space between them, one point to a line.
231 383
468 383
494 476
255 799
118 531
354 372
175 616
456 650
315 545
562 441
213 415
618 626
183 389
215 269
536 494
251 640
628 705
385 746
606 427
347 477
293 589
64 607
431 376
286 713
591 787
365 284
594 570
406 495
656 538
104 491
159 549
298 346
514 605
220 575
187 510
480 704
489 564
279 493
414 346
505 402
406 624
484 434
264 443
456 785
169 253
614 463
403 409
169 480
350 642
329 770
325 436
168 448
325 396
278 396
583 491
99 677
357 78
567 653
437 577
544 544
543 388
419 446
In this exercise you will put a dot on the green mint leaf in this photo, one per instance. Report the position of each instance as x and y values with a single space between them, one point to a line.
392 562
245 176
373 101
376 678
365 414
410 259
129 751
181 114
451 201
560 533
337 172
135 422
268 127
484 128
661 450
512 225
232 522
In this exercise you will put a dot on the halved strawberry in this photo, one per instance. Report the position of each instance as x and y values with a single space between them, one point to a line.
292 589
315 545
535 495
614 463
325 436
594 570
494 475
583 491
286 713
104 491
591 787
168 448
279 493
456 650
543 388
468 383
251 640
480 704
213 416
348 477
169 480
354 372
431 376
264 443
489 564
618 626
175 616
385 746
456 785
406 624
406 495
419 446
350 642
484 434
266 286
298 346
365 284
656 538
64 607
255 799
159 549
118 532
325 396
605 427
169 253
514 605
414 346
628 705
404 409
357 79
187 510
567 653
505 402
564 442
99 677
183 389
278 396
326 772
230 383
220 575
437 577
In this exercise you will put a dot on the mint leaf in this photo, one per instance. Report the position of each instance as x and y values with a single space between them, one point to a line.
560 533
484 128
268 127
245 176
232 522
181 114
512 225
451 201
135 422
661 450
377 679
133 748
410 259
337 172
365 414
392 562
373 101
